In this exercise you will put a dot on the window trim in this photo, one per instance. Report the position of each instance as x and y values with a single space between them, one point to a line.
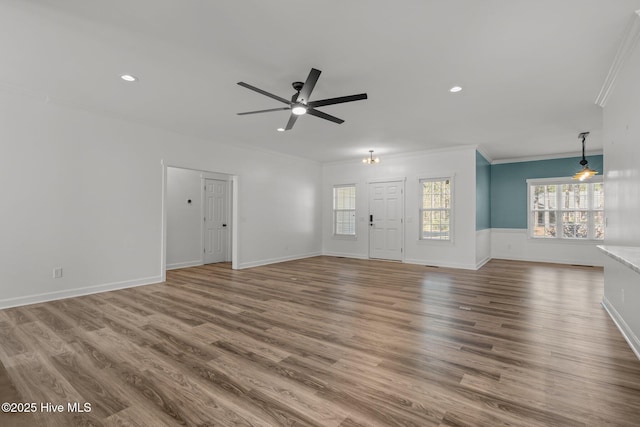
334 211
439 177
561 181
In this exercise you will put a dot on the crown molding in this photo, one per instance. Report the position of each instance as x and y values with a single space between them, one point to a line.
405 154
484 154
629 41
547 157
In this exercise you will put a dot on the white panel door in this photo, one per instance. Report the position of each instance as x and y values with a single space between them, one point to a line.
386 211
215 221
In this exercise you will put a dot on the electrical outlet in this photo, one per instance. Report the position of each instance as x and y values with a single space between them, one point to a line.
57 273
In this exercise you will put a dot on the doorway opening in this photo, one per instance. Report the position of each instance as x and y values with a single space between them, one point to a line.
199 211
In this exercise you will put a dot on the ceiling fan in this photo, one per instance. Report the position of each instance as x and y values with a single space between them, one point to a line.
300 103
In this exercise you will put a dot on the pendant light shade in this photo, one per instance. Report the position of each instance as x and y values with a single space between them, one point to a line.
586 172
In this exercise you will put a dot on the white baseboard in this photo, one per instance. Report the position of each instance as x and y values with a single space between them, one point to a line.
407 261
345 255
627 333
483 247
482 262
69 293
441 264
251 264
550 260
185 264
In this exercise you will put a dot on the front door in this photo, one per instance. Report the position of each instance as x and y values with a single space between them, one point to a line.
215 221
386 210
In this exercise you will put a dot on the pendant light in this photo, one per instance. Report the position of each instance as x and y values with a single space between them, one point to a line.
371 160
585 173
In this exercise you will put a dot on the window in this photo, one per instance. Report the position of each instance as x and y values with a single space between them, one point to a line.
436 209
566 209
344 210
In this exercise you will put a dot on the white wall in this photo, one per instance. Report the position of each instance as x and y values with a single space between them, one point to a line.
184 219
622 157
459 162
622 198
83 192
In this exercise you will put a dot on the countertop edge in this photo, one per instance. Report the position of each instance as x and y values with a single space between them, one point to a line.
627 255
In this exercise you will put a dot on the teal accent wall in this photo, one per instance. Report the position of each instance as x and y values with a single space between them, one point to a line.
509 186
483 192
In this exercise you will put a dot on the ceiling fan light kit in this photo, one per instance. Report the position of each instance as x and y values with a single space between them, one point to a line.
300 104
299 110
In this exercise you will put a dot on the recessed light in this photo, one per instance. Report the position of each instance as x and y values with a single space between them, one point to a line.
280 129
455 89
128 78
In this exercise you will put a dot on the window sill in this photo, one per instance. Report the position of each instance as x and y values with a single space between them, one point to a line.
344 237
435 242
566 241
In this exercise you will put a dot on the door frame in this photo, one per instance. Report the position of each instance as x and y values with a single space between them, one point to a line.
232 179
203 226
403 180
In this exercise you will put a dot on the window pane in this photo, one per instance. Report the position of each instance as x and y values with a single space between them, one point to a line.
344 210
436 194
345 222
575 224
598 196
551 196
544 224
574 196
344 197
598 223
436 225
543 197
537 197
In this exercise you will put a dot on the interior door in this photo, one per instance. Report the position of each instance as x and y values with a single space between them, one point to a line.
386 211
215 221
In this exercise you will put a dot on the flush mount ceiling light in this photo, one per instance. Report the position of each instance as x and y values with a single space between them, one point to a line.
280 129
128 78
371 160
455 89
585 173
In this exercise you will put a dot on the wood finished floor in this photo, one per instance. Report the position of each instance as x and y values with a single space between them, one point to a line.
328 342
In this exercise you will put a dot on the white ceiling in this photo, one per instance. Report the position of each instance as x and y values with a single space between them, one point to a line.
530 70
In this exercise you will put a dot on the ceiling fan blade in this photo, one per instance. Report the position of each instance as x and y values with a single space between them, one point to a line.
338 100
264 111
324 116
265 93
308 86
291 122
